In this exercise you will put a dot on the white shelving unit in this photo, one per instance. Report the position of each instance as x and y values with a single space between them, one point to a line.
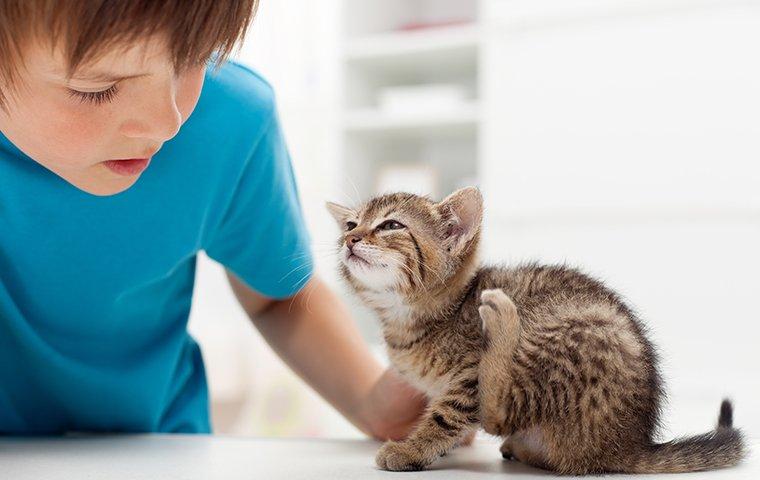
462 120
381 51
387 49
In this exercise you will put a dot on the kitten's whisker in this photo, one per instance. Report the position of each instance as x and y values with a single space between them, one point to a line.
325 244
437 275
413 274
306 264
356 190
295 269
308 300
293 299
309 253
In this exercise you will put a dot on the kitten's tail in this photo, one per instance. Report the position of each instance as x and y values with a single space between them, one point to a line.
723 447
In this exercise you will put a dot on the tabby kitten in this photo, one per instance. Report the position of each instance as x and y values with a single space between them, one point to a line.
543 356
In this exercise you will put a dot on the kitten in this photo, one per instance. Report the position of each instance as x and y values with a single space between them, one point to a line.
543 356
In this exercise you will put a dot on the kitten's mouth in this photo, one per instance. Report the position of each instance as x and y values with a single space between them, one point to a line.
353 257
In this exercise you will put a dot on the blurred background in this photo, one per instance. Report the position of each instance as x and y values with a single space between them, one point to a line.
621 136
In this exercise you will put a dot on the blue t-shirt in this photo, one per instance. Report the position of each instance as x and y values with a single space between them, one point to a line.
95 291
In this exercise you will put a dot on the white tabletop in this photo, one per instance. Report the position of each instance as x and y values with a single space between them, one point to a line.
184 457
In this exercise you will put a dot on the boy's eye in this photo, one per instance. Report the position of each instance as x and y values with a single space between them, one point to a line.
97 98
350 226
390 225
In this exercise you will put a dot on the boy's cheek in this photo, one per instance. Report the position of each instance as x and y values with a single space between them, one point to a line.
73 141
56 133
189 90
76 150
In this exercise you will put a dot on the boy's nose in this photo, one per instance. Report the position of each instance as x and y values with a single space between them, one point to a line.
160 121
156 129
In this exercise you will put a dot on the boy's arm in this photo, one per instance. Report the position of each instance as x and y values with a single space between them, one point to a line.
315 335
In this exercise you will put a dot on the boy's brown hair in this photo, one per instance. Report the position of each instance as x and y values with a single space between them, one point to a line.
194 29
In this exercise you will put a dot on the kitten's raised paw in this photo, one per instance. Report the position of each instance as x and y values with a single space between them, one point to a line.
400 456
495 305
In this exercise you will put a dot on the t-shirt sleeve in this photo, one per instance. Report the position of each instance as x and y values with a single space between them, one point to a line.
262 237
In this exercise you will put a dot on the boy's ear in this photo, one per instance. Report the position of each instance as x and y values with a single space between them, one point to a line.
462 212
340 213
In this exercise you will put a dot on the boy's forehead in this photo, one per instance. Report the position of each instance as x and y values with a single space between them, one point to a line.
111 63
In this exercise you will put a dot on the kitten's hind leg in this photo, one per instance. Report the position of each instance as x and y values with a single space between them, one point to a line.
525 446
501 330
507 452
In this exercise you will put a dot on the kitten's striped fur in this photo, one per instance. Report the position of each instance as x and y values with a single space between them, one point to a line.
543 356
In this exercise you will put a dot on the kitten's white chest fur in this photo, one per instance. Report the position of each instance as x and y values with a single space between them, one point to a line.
389 305
432 384
397 314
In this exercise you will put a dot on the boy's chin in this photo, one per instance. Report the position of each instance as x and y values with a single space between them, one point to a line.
103 185
106 189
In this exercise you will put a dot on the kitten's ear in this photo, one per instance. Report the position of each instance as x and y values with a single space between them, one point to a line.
340 213
462 212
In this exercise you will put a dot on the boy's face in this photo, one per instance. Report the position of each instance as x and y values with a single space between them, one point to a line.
99 129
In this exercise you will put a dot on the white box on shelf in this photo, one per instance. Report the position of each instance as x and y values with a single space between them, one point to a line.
462 119
433 97
407 177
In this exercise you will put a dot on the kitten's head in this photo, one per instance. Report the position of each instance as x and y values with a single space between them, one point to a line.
408 242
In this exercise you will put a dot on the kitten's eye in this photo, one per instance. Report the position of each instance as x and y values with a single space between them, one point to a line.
350 226
390 225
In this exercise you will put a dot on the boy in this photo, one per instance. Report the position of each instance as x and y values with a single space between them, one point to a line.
108 189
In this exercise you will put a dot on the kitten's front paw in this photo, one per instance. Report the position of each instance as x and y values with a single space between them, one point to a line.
400 456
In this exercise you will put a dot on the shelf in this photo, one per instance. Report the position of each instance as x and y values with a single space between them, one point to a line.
455 45
460 120
522 14
586 215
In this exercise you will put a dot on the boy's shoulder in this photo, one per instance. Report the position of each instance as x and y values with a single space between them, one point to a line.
236 95
235 111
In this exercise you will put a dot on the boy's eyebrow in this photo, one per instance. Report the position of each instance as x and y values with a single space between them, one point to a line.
104 76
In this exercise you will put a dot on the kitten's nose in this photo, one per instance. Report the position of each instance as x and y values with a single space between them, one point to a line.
353 240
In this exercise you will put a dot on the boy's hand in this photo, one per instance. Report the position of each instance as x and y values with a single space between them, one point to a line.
393 408
377 401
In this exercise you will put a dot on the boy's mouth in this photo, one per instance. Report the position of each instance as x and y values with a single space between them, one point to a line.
127 167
